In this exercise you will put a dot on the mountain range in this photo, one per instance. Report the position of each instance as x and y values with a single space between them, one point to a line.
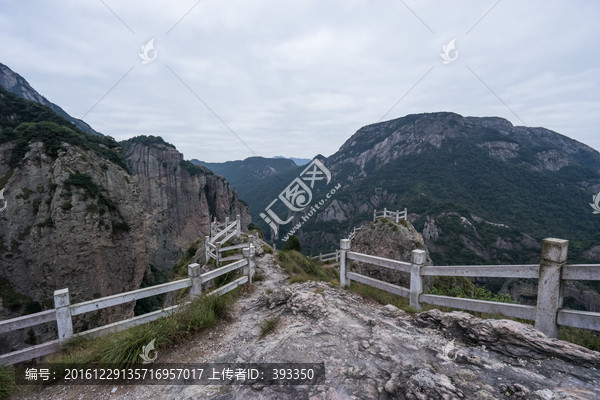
83 209
297 161
479 189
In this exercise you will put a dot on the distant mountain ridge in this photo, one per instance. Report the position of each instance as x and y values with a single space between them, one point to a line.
298 161
479 189
16 84
247 176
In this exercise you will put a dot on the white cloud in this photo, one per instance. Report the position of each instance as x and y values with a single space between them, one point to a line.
300 77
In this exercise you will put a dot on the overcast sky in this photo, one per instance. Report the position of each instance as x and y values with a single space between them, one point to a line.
229 79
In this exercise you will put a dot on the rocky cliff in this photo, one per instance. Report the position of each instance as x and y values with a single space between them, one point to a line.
389 240
179 198
73 221
81 215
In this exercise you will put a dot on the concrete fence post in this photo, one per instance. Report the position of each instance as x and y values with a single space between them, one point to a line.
405 214
384 212
549 299
218 253
238 227
250 240
397 215
320 256
416 280
226 221
249 269
374 215
206 248
196 277
344 247
64 323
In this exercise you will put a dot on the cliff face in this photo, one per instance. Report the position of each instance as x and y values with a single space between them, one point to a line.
179 199
80 215
79 221
71 222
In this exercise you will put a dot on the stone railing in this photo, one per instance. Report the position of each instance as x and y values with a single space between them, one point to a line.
548 314
335 256
63 311
395 216
220 233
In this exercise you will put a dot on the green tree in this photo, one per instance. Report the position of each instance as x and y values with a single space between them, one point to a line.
293 244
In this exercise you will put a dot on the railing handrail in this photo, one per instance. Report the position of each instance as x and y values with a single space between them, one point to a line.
214 241
224 231
234 247
328 256
194 282
548 313
25 321
398 215
379 261
126 297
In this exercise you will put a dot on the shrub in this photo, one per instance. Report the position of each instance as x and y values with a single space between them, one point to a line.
293 243
119 227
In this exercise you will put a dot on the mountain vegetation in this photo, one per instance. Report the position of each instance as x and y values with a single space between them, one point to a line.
250 177
16 84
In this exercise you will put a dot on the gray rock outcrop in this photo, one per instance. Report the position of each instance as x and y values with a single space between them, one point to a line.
179 202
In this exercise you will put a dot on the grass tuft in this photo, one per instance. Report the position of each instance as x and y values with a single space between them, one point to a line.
380 296
267 249
123 347
268 326
7 381
301 268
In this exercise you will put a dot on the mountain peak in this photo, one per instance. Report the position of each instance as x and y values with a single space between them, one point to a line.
18 85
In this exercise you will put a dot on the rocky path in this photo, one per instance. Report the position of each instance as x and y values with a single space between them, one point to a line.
370 352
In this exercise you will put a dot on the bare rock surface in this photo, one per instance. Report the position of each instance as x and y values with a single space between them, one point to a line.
370 351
